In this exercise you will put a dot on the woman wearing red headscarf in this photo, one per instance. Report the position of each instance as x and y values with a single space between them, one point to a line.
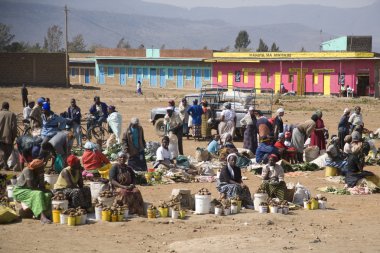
70 182
273 179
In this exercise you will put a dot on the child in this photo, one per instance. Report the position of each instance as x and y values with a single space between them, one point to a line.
290 151
214 146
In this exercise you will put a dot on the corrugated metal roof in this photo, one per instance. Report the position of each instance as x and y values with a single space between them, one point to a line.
148 59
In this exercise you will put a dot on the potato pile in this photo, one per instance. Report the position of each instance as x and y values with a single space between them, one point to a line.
106 194
204 191
59 196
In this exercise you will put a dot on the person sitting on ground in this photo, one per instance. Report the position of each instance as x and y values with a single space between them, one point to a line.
273 179
30 190
99 114
265 149
70 182
334 154
164 160
214 146
347 145
230 183
134 144
94 161
123 180
228 143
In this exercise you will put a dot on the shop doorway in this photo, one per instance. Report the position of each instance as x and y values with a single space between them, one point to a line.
363 85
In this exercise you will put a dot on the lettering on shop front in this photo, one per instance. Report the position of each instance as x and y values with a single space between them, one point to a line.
271 55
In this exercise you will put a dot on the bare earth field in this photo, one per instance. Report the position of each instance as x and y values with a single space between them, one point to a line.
351 224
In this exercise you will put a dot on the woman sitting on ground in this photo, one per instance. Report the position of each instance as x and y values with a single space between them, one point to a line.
334 154
123 180
273 179
30 190
94 161
228 143
230 182
70 182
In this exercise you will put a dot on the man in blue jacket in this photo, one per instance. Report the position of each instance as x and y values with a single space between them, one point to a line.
74 117
99 114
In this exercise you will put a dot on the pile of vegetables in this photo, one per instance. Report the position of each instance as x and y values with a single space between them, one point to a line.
59 196
112 151
337 191
106 194
203 191
77 151
300 167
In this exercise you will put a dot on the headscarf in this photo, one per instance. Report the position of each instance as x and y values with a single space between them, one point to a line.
112 108
281 135
121 154
275 157
251 108
134 121
40 100
35 164
318 113
72 160
355 136
46 106
230 169
280 110
90 145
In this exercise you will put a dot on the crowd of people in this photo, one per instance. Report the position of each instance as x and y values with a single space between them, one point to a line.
268 139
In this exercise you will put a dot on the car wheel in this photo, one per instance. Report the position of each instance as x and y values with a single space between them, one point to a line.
160 127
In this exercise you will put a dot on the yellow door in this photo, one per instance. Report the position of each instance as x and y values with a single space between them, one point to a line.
258 82
300 83
245 76
277 82
230 81
220 76
326 85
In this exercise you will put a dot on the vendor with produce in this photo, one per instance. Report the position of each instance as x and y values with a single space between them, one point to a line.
122 178
273 179
300 135
230 183
164 160
94 161
30 190
70 182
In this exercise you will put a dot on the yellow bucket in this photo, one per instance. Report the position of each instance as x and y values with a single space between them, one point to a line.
120 217
314 204
114 217
164 212
71 220
56 216
331 171
106 215
77 219
182 214
151 214
239 205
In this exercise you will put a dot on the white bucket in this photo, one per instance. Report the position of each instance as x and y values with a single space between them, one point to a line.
106 201
274 209
202 204
258 198
305 204
279 210
10 191
98 213
63 218
234 209
175 214
285 210
63 204
227 211
51 179
83 219
126 213
218 211
96 188
321 204
263 209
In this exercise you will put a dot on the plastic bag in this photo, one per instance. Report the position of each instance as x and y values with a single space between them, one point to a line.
300 194
59 163
13 161
7 215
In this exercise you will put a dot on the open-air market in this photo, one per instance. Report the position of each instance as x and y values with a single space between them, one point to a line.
151 149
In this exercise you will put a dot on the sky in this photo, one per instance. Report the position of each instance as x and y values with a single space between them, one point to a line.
237 3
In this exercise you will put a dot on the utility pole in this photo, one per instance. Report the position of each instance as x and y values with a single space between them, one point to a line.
67 50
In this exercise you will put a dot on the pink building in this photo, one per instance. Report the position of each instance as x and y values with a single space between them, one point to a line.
302 72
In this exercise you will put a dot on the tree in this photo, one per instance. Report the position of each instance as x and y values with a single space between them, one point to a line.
242 40
16 47
77 45
274 48
262 47
141 46
123 44
53 39
5 36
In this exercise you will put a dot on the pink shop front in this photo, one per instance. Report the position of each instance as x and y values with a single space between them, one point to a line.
302 72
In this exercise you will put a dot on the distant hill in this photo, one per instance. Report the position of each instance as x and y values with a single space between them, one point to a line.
291 27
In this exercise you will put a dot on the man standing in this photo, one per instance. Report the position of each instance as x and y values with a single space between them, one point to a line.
36 115
173 124
138 88
183 107
8 132
24 95
356 120
134 144
27 110
74 116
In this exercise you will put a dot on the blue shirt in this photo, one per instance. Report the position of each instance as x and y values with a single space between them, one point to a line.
196 113
213 147
52 125
263 151
135 137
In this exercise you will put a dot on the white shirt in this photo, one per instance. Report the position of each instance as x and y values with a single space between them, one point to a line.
356 119
229 115
99 110
26 112
163 154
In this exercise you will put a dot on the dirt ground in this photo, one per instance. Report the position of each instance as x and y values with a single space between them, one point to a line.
351 223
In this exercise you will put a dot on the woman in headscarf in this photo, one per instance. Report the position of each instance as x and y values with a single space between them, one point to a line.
70 182
114 121
343 127
230 183
278 124
123 180
228 122
334 154
205 128
273 179
30 190
94 161
301 133
250 133
196 112
317 137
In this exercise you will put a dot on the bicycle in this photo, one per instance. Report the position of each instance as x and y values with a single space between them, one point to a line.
99 132
23 125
